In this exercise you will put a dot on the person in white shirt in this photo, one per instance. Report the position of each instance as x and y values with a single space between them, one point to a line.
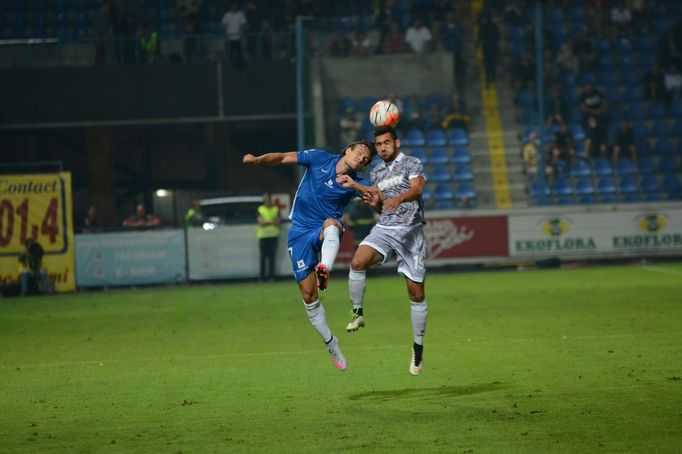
621 18
233 23
418 36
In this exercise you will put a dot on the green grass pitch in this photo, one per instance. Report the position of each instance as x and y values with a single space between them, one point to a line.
574 360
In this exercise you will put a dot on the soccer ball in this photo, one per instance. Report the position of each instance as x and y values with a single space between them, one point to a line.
384 113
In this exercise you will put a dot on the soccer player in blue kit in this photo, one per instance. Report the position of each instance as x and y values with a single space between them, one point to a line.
316 228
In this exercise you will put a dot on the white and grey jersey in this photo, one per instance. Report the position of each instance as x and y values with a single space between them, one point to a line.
392 180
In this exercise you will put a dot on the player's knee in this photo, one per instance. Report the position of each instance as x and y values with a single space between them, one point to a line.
416 294
359 264
329 222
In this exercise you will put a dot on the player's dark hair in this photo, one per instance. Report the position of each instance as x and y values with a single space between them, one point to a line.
370 146
381 130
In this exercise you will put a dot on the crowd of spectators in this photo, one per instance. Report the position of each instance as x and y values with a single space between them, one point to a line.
582 123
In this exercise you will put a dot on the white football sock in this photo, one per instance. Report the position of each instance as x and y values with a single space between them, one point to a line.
357 282
318 319
420 312
330 246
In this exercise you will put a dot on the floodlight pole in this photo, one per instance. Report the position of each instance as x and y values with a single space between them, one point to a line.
540 177
300 105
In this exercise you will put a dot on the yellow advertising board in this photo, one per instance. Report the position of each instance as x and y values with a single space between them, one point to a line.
37 207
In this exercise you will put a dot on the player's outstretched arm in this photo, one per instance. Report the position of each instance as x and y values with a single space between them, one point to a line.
270 159
349 183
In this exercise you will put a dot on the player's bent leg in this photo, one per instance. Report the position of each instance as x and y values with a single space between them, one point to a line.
330 236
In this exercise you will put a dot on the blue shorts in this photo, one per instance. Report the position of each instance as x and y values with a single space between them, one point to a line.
304 250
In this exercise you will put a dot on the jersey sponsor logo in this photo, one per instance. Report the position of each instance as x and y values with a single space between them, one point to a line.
390 182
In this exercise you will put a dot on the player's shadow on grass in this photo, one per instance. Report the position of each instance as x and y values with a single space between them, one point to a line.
452 391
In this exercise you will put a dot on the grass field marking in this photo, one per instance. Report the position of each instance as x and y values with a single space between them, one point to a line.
660 269
103 362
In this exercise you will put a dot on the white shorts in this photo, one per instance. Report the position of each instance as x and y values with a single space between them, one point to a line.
407 244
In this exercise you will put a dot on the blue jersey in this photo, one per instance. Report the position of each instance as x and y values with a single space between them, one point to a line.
319 196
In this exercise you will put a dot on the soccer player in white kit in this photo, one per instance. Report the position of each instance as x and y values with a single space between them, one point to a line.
399 232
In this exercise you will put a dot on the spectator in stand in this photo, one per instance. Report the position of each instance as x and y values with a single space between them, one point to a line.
556 105
91 222
188 11
584 50
593 103
411 114
457 102
350 126
456 116
532 161
340 46
654 84
670 50
673 84
361 44
150 47
523 73
563 139
489 40
419 37
394 42
621 20
566 60
102 33
123 28
625 142
385 14
234 23
141 220
596 138
434 116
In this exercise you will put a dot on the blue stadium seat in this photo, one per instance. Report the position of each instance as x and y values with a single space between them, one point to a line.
418 153
631 197
457 137
667 164
461 156
653 196
624 166
584 186
536 191
566 200
346 103
465 190
677 132
562 187
587 78
644 149
657 111
439 155
627 184
444 205
441 174
644 43
443 192
640 131
526 99
581 168
414 138
649 184
676 110
602 168
646 166
463 173
664 147
426 193
603 47
606 185
436 138
586 199
577 132
660 129
671 185
608 198
579 148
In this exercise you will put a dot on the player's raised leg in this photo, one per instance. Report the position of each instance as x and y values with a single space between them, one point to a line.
331 234
318 318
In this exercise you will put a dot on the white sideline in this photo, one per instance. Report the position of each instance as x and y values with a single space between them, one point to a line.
106 362
660 269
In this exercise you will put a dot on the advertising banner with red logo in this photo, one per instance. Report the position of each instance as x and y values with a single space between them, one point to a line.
451 238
